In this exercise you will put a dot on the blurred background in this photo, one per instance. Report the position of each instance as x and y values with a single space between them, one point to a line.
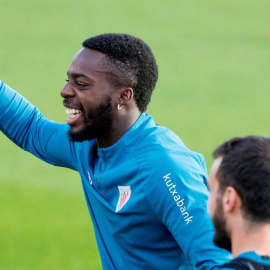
214 65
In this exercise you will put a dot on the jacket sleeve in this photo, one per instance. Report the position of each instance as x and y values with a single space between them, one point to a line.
177 193
29 129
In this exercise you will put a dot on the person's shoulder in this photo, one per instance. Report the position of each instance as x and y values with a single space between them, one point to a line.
248 261
156 137
158 147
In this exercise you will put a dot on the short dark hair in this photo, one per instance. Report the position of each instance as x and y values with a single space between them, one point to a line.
245 166
132 61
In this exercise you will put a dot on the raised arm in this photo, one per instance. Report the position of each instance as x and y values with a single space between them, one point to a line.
30 130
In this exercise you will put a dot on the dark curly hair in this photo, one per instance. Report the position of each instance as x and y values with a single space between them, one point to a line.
132 64
245 166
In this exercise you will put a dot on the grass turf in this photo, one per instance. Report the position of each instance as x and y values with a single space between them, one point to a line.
214 83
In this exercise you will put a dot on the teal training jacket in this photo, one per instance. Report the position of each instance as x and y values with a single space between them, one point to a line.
146 194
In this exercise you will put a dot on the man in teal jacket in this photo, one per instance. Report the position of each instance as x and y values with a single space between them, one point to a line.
145 190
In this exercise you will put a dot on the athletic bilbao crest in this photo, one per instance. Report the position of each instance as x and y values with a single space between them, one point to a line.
124 195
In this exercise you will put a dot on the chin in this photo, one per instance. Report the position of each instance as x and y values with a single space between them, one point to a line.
223 241
85 134
98 124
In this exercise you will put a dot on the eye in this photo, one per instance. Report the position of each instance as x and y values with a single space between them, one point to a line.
67 80
80 84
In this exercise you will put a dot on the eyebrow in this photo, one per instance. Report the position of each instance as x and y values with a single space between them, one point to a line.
76 75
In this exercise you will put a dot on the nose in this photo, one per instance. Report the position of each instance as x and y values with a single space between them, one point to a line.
67 91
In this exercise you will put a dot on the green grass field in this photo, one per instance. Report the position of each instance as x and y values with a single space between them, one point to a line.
214 64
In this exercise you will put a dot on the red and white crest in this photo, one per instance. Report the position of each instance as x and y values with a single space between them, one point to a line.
124 196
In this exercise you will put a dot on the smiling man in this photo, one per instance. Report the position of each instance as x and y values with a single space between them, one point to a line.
145 190
93 84
239 203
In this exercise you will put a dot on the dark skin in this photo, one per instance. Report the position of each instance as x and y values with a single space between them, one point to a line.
88 86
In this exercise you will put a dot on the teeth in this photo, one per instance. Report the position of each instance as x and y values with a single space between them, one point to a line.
72 112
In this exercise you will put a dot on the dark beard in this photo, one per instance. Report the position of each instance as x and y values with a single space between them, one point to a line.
221 237
100 126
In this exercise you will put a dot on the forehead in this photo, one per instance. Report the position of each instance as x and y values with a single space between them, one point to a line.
87 61
212 181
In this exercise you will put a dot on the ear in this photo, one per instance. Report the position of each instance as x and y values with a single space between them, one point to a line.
231 200
125 95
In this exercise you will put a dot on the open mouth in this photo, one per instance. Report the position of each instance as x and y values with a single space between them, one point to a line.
73 115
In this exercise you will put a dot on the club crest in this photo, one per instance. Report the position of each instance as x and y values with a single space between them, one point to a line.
124 196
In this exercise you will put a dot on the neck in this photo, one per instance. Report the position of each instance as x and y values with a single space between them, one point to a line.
121 124
250 237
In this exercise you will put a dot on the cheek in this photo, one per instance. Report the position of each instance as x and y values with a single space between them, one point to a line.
87 105
210 204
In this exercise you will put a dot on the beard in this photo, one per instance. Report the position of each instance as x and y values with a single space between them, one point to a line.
101 123
221 237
